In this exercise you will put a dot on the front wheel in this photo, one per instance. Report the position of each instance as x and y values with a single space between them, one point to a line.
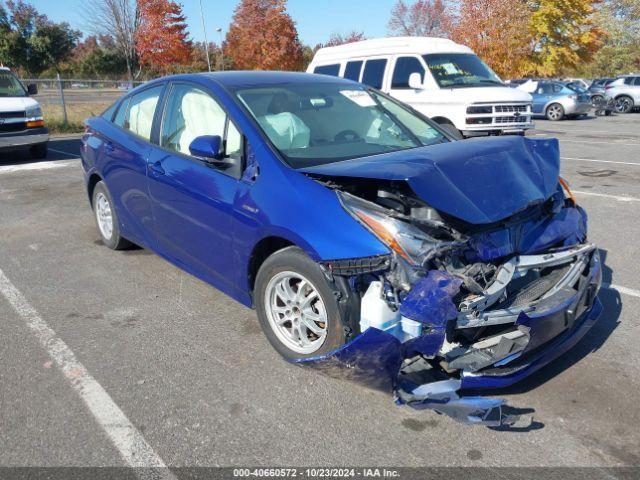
554 112
297 307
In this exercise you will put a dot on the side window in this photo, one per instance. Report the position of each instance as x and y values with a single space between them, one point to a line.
233 147
405 66
122 113
637 82
190 113
557 88
142 108
328 69
352 70
628 81
374 72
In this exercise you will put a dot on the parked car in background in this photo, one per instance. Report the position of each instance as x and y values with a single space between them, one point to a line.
373 246
21 120
437 77
596 89
580 82
555 100
625 91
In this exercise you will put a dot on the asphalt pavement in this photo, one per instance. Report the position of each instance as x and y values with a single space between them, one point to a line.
187 372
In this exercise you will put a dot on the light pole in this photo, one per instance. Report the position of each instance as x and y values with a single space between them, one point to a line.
219 30
204 30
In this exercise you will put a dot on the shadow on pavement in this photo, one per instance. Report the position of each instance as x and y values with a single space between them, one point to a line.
66 148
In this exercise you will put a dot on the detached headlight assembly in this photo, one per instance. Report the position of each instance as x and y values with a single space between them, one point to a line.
401 237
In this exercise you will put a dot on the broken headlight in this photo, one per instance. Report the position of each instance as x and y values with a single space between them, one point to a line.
405 239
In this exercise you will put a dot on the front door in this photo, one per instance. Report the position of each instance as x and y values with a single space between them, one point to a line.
192 198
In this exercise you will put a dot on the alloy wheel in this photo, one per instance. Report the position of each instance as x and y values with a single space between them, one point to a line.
296 312
104 216
624 105
554 112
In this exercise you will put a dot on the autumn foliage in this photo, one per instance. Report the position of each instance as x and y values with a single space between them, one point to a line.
497 31
262 36
424 18
161 39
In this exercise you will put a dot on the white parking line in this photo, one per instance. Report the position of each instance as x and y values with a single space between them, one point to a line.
600 161
74 155
619 198
132 446
36 166
627 291
600 143
608 132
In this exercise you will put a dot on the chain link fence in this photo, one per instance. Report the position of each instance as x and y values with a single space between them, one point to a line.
66 103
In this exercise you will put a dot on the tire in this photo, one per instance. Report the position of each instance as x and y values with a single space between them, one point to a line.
596 99
282 321
39 151
107 218
624 104
451 130
554 112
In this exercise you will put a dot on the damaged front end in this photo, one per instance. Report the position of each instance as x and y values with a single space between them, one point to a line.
458 305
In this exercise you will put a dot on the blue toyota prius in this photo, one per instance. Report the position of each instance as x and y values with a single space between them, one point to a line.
372 245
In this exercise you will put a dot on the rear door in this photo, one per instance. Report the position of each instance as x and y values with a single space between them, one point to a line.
124 166
193 199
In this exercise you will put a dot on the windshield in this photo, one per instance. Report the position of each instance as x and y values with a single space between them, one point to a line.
455 70
320 123
10 86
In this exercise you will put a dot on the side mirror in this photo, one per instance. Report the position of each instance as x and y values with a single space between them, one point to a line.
32 89
415 81
207 147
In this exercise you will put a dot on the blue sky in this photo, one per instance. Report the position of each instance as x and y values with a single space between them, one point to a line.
315 19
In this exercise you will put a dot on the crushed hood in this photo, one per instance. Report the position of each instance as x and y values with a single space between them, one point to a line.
480 180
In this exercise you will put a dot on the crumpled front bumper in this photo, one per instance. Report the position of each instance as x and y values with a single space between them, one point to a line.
376 359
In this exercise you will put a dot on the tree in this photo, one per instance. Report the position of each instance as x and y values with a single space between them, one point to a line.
97 57
497 31
620 19
262 36
424 18
31 41
563 35
162 38
119 18
338 39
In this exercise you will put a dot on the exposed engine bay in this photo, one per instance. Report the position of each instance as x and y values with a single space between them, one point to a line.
467 305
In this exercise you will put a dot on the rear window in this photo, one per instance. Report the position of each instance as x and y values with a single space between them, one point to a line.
328 69
374 72
352 70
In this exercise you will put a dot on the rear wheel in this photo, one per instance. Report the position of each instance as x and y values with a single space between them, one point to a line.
107 219
39 151
554 112
297 306
596 99
624 104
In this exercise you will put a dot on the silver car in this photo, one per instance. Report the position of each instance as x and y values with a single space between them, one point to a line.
625 91
556 101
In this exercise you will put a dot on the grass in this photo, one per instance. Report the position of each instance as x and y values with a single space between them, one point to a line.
76 114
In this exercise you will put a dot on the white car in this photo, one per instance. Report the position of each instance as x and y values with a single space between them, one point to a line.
437 77
625 91
21 120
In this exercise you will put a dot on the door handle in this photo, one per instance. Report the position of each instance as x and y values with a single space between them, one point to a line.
156 169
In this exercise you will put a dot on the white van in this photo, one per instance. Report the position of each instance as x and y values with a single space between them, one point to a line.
21 120
437 77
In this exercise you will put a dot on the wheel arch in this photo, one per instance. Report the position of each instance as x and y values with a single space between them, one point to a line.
91 185
262 250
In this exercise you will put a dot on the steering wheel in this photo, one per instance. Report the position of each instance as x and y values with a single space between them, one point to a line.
347 136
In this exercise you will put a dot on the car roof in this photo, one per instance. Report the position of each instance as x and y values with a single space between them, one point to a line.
252 79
